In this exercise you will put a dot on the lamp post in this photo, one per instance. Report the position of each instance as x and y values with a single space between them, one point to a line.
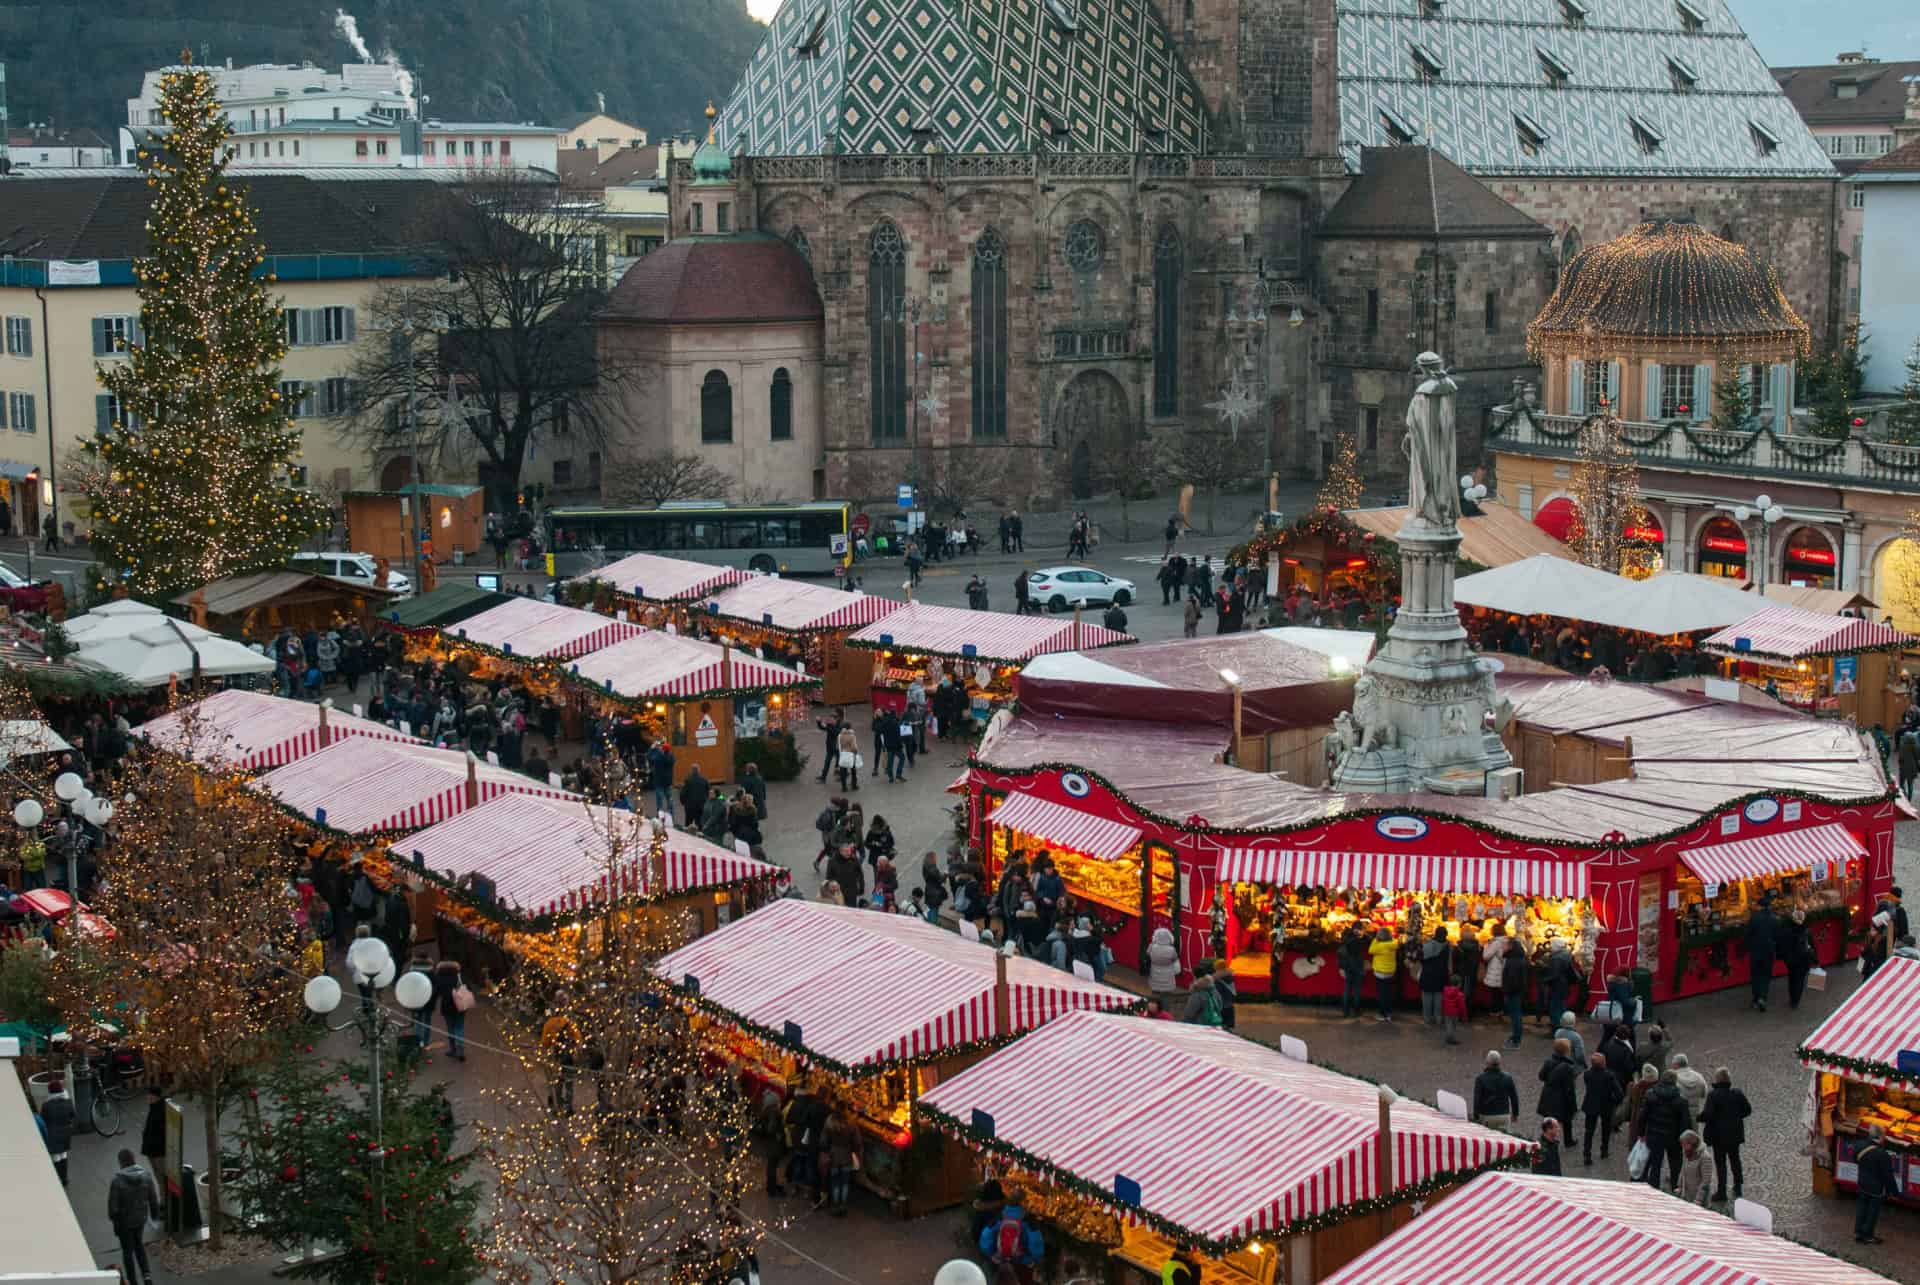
904 310
371 966
1236 686
1767 512
1249 313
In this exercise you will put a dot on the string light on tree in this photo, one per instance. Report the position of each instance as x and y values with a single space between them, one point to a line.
1342 487
190 482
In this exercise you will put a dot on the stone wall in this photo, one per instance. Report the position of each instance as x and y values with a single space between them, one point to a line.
1266 68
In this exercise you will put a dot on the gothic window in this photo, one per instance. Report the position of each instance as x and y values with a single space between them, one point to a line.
780 406
797 238
887 332
989 335
1167 264
716 408
1085 249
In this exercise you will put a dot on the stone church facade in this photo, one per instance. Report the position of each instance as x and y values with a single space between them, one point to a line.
1043 228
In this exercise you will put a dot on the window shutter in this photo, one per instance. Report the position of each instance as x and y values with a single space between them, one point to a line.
136 333
1615 372
346 324
1703 391
26 336
102 414
1650 405
1781 377
31 412
3 407
101 345
1576 387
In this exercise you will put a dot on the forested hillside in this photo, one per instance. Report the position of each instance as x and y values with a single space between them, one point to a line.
76 62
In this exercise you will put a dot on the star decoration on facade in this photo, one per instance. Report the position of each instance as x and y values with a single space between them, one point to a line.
931 405
1235 406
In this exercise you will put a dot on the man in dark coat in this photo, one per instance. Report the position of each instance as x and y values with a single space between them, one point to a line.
1762 931
153 1133
1876 1184
845 870
1559 1091
132 1198
830 728
57 1120
1796 948
1663 1118
1723 1123
693 796
1496 1098
1602 1094
1546 1160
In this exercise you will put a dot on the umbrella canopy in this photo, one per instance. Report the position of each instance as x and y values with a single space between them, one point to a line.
1671 603
161 649
1531 1229
253 730
547 856
1537 586
1679 602
865 989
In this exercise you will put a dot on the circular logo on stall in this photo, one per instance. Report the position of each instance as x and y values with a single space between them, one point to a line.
1761 811
1403 828
1075 784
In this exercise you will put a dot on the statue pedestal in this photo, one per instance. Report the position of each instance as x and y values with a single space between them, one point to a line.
1425 686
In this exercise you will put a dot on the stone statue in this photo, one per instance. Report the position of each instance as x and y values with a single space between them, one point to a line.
1433 487
1370 714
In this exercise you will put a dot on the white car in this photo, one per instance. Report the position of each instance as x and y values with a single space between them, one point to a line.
360 568
1058 588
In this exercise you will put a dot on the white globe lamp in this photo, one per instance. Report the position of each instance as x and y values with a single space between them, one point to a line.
28 813
368 955
68 786
413 991
960 1272
322 995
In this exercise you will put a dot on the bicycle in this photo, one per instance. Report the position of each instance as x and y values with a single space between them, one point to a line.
107 1118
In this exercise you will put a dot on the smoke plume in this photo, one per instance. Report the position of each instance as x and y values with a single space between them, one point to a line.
350 32
402 78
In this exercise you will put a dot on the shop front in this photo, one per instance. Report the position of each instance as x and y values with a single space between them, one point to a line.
1723 549
1809 560
1865 1060
807 994
1840 666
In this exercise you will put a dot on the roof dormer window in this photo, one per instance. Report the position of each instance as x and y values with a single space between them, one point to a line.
814 35
1645 136
1557 71
1765 141
1062 14
1527 130
1426 63
1692 20
1432 8
1574 12
1397 129
1846 88
1682 73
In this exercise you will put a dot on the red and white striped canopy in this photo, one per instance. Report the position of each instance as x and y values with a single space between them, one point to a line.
866 987
655 663
1530 1229
658 579
1767 854
995 636
365 786
1872 1026
548 855
1228 1139
249 730
531 628
795 604
1793 632
1505 876
1073 830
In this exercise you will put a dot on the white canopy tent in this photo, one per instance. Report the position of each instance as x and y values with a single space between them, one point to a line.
1679 602
1542 585
169 649
1673 602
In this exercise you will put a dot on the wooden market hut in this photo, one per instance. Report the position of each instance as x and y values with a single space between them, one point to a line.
1134 1137
530 629
252 730
809 623
518 874
872 1011
1534 1229
1866 1060
982 650
1841 665
1353 548
456 521
360 787
257 606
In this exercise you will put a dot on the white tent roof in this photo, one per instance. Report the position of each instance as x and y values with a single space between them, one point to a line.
1679 602
1078 667
148 657
20 736
1539 586
1673 602
118 619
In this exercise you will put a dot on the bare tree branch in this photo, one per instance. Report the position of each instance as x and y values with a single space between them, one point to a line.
662 476
1210 459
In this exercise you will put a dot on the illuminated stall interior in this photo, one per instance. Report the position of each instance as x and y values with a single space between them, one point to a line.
1841 665
982 650
1865 1074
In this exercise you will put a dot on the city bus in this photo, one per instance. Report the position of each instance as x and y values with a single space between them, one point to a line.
792 538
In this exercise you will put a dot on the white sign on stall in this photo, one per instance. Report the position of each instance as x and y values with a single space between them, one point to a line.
1294 1047
969 931
707 734
1451 1104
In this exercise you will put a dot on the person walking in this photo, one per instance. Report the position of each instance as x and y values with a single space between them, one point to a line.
660 778
132 1199
1723 1123
1569 1030
447 987
1546 1156
1693 1085
57 1121
1909 758
838 1146
153 1132
1466 966
1353 971
1172 534
1163 966
1663 1118
1559 1087
1505 973
1876 1183
1602 1094
1383 955
847 758
1691 1184
1796 949
830 728
1762 931
1190 617
694 792
1436 969
1496 1098
1022 599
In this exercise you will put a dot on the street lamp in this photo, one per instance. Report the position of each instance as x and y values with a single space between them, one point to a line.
1768 513
371 966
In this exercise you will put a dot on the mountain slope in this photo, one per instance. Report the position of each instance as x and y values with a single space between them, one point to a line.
75 62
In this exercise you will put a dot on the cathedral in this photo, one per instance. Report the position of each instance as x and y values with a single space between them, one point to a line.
1043 231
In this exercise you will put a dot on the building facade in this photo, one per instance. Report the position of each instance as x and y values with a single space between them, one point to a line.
1888 197
47 148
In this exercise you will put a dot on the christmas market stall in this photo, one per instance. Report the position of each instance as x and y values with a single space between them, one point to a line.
145 647
361 787
981 651
1839 665
529 629
870 1011
804 624
256 607
711 703
1132 1138
521 875
252 730
447 605
649 578
1865 1060
1535 1229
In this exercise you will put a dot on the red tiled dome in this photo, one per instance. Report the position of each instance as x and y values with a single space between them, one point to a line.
717 280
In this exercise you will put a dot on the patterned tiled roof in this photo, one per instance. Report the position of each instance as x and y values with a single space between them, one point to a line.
871 76
1639 91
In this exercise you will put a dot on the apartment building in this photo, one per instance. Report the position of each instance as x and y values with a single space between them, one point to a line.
67 300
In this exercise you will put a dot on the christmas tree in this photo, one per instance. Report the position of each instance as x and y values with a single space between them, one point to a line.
1732 399
1342 486
192 476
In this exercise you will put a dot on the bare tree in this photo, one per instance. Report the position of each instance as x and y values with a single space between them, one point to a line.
1130 464
1211 459
498 349
662 476
953 478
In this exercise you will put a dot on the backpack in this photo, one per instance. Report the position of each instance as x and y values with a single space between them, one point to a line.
1009 1241
1210 1010
827 819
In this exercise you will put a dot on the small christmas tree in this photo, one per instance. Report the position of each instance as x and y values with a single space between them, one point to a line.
1903 421
1732 399
192 483
1342 486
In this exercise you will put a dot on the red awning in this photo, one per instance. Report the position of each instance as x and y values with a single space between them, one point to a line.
1405 870
1769 854
1863 1038
1557 517
1077 831
1791 633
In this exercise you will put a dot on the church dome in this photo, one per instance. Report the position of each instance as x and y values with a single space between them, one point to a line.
711 164
1666 284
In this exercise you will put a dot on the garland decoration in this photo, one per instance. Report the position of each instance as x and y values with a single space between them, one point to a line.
1856 1068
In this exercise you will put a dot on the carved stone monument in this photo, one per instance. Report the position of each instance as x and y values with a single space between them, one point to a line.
1425 715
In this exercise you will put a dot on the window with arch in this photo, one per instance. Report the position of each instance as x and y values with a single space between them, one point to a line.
716 408
780 406
1166 321
887 332
989 335
1085 249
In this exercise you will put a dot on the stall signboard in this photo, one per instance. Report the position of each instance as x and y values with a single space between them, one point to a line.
837 544
707 734
1846 674
1820 871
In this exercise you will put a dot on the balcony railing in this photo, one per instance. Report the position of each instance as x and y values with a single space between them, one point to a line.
1758 452
962 166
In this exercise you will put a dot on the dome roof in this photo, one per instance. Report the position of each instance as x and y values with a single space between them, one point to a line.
711 164
742 279
1671 284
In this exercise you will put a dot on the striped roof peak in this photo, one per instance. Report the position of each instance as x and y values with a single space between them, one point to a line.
243 729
